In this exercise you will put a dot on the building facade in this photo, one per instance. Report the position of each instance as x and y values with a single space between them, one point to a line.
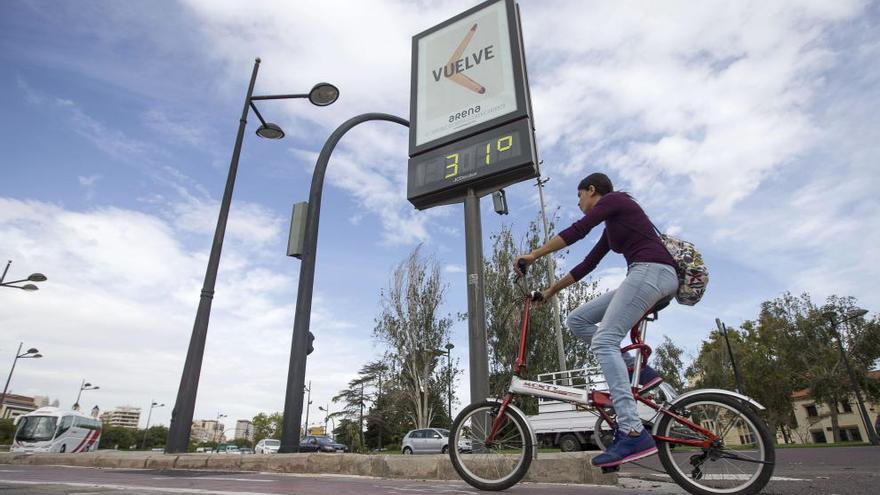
814 419
16 405
244 429
123 416
207 430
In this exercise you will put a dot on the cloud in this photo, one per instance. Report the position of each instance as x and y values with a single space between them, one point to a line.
119 305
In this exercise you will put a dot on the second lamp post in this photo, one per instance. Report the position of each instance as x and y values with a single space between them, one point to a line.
322 94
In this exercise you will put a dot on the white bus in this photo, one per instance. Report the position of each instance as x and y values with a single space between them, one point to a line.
50 429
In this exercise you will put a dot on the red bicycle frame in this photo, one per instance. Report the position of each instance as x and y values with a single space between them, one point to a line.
601 400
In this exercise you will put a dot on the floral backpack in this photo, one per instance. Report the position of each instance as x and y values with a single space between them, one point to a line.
693 275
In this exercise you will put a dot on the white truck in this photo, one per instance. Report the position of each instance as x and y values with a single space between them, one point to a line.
561 424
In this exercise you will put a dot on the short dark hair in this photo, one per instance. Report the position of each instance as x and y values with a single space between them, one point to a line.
598 180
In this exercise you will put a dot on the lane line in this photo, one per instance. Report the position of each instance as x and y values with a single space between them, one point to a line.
211 478
134 487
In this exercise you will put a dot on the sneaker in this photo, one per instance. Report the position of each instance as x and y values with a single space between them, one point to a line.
625 449
648 378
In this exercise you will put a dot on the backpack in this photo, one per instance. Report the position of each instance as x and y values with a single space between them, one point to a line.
693 275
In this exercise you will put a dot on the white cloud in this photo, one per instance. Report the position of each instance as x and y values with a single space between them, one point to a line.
119 304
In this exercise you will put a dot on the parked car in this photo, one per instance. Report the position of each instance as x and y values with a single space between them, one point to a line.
268 446
227 448
429 441
320 443
246 450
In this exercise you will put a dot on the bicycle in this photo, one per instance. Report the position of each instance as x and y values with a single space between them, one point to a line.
709 441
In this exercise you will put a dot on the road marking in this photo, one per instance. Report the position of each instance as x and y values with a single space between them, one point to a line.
715 476
134 487
211 478
421 489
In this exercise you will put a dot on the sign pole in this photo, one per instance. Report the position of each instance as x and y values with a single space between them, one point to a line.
479 357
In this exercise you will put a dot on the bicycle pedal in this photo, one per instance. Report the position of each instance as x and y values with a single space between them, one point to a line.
612 469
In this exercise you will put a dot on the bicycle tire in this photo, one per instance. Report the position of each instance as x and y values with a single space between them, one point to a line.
520 464
746 417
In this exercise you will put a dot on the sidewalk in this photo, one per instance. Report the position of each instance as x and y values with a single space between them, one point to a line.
547 468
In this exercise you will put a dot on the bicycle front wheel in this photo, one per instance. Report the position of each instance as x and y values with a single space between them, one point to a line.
495 465
740 462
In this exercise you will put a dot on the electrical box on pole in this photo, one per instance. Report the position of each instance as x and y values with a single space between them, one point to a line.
296 238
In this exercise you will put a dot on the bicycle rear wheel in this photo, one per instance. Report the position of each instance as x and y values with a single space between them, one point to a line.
740 462
490 466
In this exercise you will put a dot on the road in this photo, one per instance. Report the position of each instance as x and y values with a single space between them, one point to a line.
848 470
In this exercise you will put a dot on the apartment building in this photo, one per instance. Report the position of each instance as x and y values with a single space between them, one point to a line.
123 416
244 429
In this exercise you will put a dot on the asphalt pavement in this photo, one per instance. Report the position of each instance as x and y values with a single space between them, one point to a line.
848 470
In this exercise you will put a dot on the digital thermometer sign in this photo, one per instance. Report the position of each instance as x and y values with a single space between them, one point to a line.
470 111
485 162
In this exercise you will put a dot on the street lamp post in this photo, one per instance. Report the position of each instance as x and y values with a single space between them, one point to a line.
153 404
217 426
855 313
326 415
449 348
308 405
293 398
84 386
723 329
322 94
31 353
33 277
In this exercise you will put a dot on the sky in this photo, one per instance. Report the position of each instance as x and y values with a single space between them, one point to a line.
748 128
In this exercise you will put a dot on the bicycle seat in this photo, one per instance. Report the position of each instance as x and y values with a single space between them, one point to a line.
662 303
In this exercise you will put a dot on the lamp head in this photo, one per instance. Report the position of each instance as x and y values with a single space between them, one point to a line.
87 384
323 94
32 350
270 131
450 346
855 313
37 277
37 355
30 287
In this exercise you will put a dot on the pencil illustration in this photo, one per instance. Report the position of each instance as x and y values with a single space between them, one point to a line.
467 83
463 45
459 78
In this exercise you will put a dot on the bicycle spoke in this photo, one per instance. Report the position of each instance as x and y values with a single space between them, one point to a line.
732 463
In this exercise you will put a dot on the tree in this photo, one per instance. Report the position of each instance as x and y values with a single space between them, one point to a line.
156 436
117 437
413 329
7 431
267 426
790 347
668 363
504 314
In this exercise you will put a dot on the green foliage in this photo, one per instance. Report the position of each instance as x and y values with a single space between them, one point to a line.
117 437
667 360
156 436
267 426
792 346
415 333
504 300
7 431
242 442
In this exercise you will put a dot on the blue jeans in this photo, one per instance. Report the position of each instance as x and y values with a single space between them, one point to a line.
603 323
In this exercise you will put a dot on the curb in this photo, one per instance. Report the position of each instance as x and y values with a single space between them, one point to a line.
572 467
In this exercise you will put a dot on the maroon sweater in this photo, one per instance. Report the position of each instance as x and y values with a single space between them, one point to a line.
627 231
